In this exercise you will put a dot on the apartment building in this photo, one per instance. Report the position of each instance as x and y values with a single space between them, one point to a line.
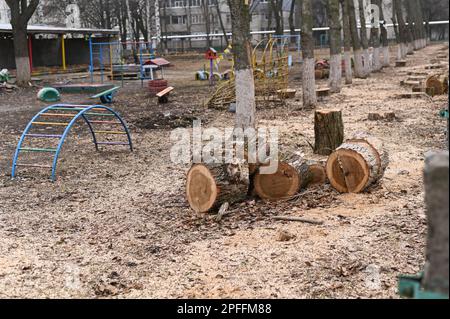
184 17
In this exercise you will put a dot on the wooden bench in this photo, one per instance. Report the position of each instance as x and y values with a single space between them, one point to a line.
163 96
106 96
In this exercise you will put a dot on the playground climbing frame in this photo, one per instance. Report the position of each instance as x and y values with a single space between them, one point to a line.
43 125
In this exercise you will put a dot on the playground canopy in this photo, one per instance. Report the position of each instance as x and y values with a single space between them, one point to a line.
54 51
45 29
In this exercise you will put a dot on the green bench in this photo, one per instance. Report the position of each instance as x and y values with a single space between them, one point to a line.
106 96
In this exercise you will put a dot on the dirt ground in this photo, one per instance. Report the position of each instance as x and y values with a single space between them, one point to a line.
116 224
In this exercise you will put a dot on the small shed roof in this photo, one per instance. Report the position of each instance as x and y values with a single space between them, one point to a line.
46 29
159 62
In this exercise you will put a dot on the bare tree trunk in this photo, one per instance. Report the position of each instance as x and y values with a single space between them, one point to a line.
222 26
375 41
308 74
291 21
21 12
335 46
347 43
276 8
410 26
403 50
205 7
245 84
364 40
357 51
384 36
420 20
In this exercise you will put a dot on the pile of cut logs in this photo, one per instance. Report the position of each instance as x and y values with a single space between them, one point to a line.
352 167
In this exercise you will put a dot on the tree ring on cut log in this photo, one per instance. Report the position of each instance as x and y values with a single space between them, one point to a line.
284 183
201 188
347 171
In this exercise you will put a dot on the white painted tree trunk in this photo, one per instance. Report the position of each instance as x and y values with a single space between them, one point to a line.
376 60
335 73
367 65
359 66
157 23
410 47
148 21
309 83
245 98
386 57
23 71
348 67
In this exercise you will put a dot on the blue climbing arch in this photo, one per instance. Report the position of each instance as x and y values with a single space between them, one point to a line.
51 118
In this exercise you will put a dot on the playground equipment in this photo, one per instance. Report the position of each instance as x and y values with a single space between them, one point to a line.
211 55
271 74
292 44
163 96
48 95
91 114
106 96
116 62
4 75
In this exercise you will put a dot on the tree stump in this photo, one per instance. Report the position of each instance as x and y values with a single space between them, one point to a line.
329 131
357 164
323 92
208 186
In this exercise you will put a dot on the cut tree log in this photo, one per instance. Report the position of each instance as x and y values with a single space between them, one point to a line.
418 73
312 173
429 91
375 117
410 83
208 186
412 95
329 131
434 67
439 83
359 163
400 63
284 184
390 116
418 89
294 173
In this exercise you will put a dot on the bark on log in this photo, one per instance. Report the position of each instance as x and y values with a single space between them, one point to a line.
359 163
208 186
312 173
329 131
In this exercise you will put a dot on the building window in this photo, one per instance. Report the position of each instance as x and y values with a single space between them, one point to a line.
197 19
178 3
195 3
178 19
